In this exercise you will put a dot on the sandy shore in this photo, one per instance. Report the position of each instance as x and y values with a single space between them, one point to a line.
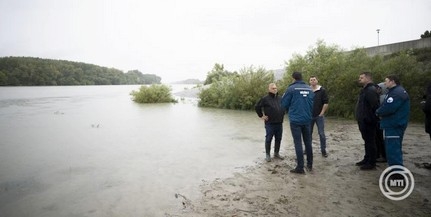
336 187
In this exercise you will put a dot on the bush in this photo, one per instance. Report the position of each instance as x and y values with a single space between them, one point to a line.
338 72
153 94
237 91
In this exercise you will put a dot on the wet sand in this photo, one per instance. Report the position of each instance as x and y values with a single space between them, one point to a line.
335 187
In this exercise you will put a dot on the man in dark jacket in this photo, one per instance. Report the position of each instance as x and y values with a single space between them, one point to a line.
298 101
426 107
270 111
366 107
394 114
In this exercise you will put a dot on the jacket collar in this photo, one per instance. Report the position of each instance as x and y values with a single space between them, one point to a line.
318 87
272 95
369 84
297 82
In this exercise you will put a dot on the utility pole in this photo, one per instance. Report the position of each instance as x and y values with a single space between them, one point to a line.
378 37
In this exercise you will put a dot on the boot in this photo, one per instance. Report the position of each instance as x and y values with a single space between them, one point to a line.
277 155
268 158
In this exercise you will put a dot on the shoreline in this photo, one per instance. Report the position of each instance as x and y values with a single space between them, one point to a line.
335 187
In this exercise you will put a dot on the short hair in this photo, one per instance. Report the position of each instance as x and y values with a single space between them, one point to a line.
367 74
394 78
297 76
313 76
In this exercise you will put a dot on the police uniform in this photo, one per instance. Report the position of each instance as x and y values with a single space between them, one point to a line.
394 114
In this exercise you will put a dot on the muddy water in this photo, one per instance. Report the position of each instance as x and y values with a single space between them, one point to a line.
92 151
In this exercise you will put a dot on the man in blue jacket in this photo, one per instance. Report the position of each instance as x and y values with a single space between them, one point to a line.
394 114
298 102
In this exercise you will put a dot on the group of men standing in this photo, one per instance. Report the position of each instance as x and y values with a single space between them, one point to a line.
306 105
392 115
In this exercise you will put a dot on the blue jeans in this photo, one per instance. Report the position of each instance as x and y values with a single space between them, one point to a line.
320 122
299 132
276 131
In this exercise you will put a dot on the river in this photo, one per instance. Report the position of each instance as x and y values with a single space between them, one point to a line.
92 151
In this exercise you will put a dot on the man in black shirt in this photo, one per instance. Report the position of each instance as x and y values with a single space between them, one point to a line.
320 105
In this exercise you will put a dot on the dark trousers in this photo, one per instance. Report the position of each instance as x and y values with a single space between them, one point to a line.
380 143
428 123
276 131
368 132
302 132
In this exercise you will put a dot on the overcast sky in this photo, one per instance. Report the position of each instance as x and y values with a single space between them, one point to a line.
183 39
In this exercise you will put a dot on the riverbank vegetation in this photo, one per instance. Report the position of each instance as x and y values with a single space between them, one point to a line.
235 90
337 70
30 71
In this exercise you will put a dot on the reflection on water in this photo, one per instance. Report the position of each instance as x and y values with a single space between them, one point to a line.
92 151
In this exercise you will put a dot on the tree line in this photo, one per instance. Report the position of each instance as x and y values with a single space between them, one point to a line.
336 69
30 71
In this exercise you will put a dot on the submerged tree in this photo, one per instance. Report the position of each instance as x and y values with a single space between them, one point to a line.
156 93
237 91
217 73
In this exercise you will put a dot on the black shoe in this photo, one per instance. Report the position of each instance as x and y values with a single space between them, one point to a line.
381 160
361 163
368 167
309 168
298 171
325 154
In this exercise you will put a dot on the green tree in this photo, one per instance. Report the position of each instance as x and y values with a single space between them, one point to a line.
36 71
217 73
3 78
412 76
328 63
426 34
338 72
135 76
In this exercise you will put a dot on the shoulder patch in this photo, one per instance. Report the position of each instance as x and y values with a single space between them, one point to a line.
390 100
